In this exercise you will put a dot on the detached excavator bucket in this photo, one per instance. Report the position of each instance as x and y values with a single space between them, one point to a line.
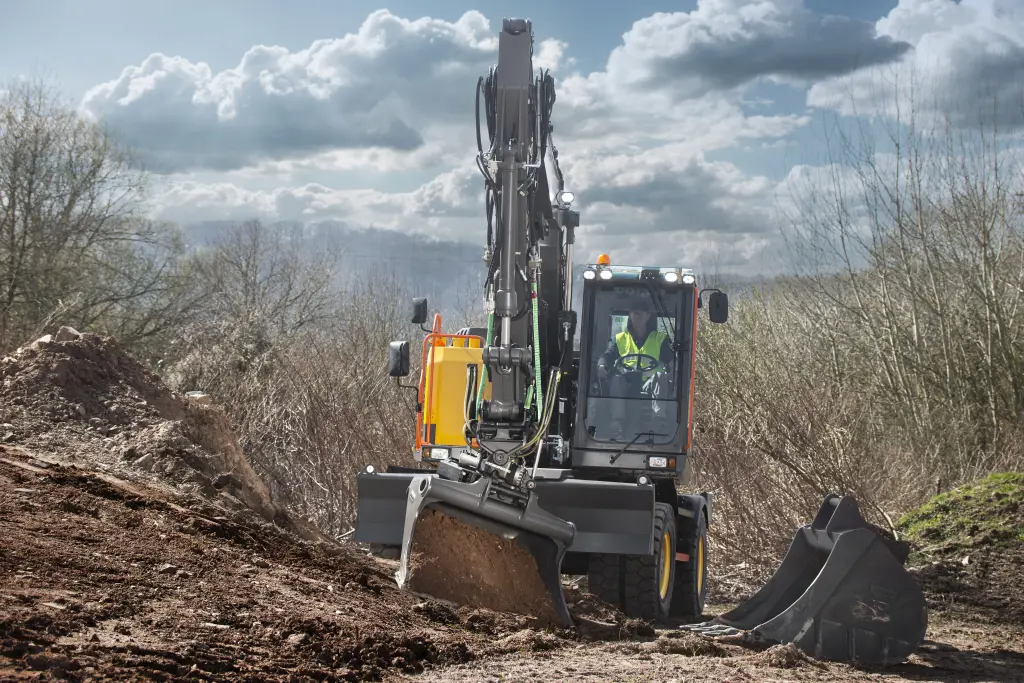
462 545
840 594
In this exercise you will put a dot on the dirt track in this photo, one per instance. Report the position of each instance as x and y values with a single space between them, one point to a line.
115 569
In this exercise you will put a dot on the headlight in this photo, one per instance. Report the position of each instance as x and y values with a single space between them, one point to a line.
657 461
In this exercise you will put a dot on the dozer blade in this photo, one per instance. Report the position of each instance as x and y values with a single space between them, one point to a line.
460 545
840 594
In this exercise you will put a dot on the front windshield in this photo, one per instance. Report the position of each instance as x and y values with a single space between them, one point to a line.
634 390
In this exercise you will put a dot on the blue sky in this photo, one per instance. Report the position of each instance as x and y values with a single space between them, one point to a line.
688 135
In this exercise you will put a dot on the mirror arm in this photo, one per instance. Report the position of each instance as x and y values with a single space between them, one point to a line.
700 293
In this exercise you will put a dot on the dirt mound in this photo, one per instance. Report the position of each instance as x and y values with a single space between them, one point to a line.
81 397
103 577
969 548
466 565
469 566
683 643
786 656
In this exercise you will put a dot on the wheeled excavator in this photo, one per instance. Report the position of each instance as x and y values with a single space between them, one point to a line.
540 452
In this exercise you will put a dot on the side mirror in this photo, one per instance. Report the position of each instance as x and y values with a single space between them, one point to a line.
419 310
718 307
398 359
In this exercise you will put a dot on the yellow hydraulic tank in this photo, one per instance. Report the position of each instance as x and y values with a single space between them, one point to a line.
445 392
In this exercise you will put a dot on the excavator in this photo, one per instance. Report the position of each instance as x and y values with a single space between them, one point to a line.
541 453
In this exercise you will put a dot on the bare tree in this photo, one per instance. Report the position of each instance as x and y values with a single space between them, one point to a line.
893 357
917 244
262 285
73 247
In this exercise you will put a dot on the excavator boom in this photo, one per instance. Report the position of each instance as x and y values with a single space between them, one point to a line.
489 487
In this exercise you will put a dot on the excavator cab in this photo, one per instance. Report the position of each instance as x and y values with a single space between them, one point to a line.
636 367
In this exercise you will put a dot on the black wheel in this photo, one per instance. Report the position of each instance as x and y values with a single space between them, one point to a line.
691 579
603 578
648 580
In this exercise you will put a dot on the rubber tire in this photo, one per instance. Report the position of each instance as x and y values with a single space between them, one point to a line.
687 600
641 574
604 572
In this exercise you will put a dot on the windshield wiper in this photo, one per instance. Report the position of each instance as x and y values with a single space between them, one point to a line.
659 302
638 435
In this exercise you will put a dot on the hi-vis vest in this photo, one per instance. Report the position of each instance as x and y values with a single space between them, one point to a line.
652 347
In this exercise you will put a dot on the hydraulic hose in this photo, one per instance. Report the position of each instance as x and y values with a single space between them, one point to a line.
484 373
536 347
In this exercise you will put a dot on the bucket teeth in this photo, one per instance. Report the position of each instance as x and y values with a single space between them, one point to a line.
460 544
710 628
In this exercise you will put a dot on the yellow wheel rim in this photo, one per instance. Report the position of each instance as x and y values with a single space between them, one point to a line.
700 564
666 564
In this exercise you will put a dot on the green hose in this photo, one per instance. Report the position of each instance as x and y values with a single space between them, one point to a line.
484 373
536 348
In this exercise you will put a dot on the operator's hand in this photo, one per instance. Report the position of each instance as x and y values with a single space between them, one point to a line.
602 372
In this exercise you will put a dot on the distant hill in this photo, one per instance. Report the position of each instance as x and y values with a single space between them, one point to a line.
449 273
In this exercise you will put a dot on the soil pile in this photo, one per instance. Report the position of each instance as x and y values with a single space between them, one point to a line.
103 577
82 398
969 548
470 566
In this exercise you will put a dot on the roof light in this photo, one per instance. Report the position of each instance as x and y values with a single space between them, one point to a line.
606 275
589 274
604 260
671 276
689 279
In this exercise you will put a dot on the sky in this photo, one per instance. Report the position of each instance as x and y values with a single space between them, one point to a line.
682 127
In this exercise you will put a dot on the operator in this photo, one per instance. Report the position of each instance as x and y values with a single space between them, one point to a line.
640 336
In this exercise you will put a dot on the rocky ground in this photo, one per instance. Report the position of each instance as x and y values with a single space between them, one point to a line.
137 543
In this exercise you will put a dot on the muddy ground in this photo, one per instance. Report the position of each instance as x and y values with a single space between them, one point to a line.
136 544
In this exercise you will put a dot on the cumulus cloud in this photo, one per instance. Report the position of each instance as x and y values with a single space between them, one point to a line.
450 204
684 210
667 192
727 43
634 136
399 92
968 57
374 89
683 75
670 58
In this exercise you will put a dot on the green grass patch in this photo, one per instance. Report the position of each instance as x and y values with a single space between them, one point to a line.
988 512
